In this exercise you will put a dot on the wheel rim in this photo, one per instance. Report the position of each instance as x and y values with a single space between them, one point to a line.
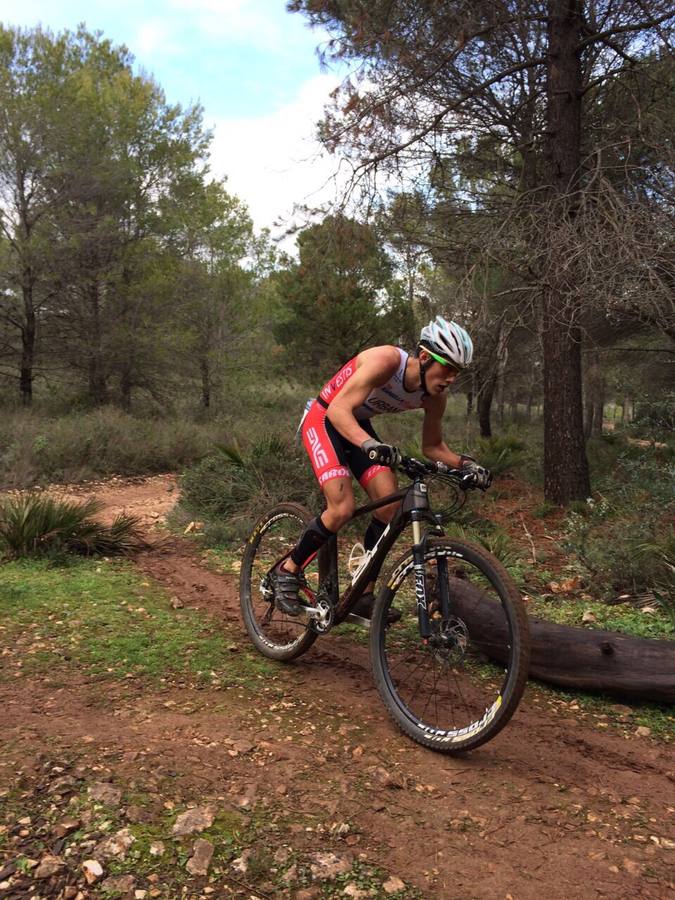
453 687
275 538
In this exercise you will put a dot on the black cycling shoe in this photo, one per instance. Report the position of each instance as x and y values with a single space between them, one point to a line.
364 609
286 590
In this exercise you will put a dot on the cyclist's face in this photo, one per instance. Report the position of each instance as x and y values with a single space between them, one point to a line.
439 377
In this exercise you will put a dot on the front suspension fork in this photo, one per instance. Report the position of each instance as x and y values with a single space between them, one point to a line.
419 566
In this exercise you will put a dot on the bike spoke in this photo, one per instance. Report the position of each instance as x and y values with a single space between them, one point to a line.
448 685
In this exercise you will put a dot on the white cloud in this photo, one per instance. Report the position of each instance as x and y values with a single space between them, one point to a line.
257 22
275 161
155 36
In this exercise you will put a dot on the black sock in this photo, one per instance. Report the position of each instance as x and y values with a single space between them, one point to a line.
312 539
374 532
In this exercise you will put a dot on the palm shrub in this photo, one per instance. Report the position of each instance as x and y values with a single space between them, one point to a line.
500 453
233 488
36 524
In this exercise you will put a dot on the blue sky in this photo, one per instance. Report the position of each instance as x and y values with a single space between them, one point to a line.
252 65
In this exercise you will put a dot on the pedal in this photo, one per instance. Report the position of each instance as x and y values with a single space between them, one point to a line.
358 620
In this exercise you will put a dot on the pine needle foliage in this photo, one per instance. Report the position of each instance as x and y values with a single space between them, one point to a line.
36 524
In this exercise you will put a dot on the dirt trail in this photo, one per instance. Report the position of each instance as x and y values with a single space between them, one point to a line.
554 807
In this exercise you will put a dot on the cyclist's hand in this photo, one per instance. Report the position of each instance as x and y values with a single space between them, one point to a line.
475 475
382 454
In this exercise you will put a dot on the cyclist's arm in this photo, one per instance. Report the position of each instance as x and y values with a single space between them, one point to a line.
433 445
376 367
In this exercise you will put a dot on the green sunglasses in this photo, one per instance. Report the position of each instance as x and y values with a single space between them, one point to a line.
443 362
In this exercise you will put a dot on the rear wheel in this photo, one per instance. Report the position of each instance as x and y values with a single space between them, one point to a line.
459 689
274 633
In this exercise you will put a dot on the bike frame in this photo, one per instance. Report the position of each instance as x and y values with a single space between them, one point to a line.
414 508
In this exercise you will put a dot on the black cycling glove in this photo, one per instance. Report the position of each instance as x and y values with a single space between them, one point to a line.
381 454
473 474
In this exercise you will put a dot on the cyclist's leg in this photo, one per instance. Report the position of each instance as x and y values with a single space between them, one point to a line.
377 481
340 505
327 455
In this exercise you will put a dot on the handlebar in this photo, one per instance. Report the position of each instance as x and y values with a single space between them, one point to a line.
414 468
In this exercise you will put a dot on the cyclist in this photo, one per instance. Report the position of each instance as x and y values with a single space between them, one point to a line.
338 436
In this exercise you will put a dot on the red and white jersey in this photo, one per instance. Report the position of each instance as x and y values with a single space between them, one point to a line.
392 397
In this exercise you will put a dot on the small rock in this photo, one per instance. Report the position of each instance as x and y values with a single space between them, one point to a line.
309 893
643 731
632 867
240 864
49 865
570 584
138 815
93 870
393 884
387 779
192 820
156 848
282 855
122 884
588 617
140 894
326 866
353 890
116 845
67 826
69 892
200 860
64 785
290 875
177 603
102 792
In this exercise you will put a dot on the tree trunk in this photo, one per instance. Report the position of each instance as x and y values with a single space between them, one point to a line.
579 658
125 389
206 382
469 403
484 405
566 475
98 387
599 412
595 398
28 334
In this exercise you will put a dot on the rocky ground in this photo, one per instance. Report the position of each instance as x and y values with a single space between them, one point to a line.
296 784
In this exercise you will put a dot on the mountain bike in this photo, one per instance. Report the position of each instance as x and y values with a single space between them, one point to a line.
453 668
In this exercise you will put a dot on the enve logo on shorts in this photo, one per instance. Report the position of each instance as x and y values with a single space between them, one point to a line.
319 454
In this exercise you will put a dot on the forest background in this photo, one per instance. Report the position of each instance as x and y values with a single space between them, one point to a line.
510 166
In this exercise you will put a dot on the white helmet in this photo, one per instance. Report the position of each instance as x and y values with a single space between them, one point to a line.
447 340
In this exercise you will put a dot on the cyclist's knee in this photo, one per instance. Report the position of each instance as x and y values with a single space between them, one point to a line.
338 512
386 513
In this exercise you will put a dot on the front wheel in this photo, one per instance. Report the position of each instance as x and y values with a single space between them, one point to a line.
459 688
275 634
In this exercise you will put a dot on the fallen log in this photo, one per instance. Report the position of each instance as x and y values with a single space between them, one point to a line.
582 658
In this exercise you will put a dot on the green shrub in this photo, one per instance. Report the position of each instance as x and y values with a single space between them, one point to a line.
233 489
625 544
500 453
39 525
35 449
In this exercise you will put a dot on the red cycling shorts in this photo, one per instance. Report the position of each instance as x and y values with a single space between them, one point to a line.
331 454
